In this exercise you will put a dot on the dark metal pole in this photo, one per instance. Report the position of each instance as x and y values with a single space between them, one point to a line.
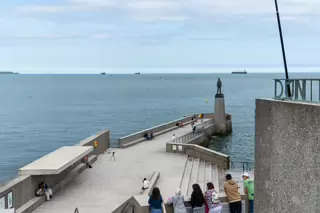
283 50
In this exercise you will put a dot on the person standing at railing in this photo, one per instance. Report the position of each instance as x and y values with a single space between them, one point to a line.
155 201
178 202
212 199
231 189
248 187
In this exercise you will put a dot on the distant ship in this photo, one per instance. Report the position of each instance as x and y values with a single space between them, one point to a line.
137 73
239 72
103 73
9 72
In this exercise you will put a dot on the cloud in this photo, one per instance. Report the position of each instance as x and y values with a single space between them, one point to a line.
73 35
43 9
173 18
101 36
181 10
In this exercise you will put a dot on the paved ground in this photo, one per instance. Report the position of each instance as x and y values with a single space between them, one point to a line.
109 184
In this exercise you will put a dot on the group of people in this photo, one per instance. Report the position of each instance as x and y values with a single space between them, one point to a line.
231 189
207 202
43 189
148 136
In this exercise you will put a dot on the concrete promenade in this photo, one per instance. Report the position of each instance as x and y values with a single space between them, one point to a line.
108 184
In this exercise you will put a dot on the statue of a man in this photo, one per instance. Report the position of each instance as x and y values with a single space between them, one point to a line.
219 86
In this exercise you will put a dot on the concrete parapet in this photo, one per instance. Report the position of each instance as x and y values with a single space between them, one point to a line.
160 128
287 156
216 158
103 139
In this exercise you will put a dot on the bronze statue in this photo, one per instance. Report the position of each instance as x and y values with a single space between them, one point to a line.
219 86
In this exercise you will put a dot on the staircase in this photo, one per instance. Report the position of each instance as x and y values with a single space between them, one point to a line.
200 172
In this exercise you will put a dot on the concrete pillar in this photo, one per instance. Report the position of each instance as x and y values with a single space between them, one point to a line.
220 115
220 111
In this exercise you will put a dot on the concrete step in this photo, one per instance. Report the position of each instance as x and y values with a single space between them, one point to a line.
201 176
186 176
215 177
193 175
208 172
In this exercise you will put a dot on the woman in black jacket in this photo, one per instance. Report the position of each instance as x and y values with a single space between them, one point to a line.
197 199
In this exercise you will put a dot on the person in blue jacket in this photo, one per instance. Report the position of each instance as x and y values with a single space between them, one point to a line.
155 201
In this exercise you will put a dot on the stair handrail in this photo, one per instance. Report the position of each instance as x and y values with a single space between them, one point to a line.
125 207
184 171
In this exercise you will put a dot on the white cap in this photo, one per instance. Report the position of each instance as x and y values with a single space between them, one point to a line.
246 175
178 192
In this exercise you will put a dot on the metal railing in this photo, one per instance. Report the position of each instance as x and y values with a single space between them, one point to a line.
199 130
302 89
245 166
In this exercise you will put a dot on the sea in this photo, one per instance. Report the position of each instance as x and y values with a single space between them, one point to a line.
40 113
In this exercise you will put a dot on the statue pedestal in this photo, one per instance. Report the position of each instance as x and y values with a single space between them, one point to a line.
220 115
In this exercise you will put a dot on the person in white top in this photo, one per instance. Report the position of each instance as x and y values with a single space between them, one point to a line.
173 136
145 184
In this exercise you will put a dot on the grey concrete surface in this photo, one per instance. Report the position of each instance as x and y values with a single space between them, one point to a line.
287 157
57 161
109 183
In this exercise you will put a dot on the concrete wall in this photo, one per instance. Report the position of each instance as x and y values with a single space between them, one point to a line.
23 187
103 139
229 123
287 157
135 136
216 158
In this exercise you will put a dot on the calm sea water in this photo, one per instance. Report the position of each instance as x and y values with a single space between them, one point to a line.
40 113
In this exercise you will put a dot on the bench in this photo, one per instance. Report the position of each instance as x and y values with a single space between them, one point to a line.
35 202
142 139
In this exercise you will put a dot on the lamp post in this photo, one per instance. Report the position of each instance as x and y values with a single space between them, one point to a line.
283 50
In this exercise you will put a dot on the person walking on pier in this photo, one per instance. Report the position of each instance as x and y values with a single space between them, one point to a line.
212 199
248 186
178 202
197 199
231 189
155 201
113 157
145 184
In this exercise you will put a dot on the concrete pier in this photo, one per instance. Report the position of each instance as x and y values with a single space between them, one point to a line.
111 183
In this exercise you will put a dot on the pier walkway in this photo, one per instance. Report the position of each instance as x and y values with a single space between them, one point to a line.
109 183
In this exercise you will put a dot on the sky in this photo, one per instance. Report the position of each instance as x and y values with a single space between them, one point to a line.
90 36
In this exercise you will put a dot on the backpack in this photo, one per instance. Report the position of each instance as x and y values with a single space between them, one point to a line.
215 197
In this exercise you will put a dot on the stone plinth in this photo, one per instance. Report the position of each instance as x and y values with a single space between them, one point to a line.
220 115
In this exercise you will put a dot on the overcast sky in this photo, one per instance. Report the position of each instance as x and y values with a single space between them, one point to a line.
88 36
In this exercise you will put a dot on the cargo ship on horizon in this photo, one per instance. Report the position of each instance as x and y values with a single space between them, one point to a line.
240 72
